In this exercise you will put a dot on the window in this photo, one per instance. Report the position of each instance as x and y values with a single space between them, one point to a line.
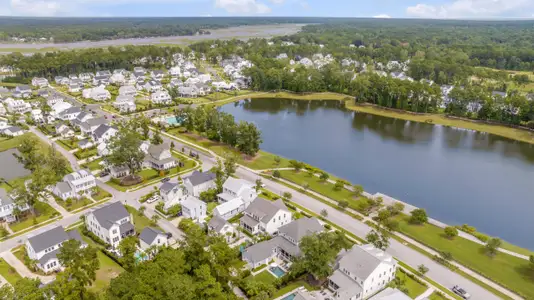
114 231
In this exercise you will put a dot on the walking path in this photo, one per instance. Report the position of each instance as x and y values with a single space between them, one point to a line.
427 294
12 260
58 207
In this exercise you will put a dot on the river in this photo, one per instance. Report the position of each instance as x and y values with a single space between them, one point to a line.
459 176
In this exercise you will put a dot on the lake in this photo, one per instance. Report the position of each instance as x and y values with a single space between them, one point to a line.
459 176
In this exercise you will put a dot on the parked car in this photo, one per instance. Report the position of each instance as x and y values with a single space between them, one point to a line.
461 292
103 174
152 199
169 235
165 179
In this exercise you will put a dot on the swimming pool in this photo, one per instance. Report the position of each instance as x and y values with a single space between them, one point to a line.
278 272
173 120
139 257
289 297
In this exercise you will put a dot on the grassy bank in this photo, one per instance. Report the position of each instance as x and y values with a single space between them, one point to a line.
512 272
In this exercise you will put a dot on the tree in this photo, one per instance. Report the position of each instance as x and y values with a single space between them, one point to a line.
324 176
287 195
343 204
125 149
418 216
29 155
531 260
276 174
127 248
357 190
339 185
450 232
324 213
24 288
396 208
155 219
172 145
277 160
297 165
142 210
379 238
319 252
447 256
174 210
156 138
230 165
248 138
259 185
422 269
305 186
492 246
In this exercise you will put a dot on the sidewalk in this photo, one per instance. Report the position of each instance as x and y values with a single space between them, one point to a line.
12 260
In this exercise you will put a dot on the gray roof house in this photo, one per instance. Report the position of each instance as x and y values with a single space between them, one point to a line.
199 182
7 204
222 227
159 157
90 125
111 223
152 237
45 246
361 272
104 133
265 216
285 245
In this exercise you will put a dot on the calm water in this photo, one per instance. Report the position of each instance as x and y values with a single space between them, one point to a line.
458 176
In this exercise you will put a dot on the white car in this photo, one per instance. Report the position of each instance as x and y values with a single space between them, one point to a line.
153 199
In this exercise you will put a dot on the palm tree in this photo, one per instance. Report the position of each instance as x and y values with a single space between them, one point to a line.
142 210
155 219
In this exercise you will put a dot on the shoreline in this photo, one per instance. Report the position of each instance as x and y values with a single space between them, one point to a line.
504 131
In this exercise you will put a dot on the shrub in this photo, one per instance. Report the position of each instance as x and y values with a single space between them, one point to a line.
419 216
328 226
450 232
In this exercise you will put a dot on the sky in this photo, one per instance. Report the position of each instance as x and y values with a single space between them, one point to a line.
439 9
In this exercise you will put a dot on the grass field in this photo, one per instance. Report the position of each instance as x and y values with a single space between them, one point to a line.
140 222
108 270
45 212
100 194
512 272
436 296
8 272
291 286
94 165
414 288
7 144
75 203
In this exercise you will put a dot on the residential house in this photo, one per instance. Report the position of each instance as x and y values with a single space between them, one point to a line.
306 62
203 89
127 90
64 131
286 245
43 248
151 238
17 106
161 97
282 56
194 208
157 75
120 71
175 72
85 144
361 272
199 182
75 184
58 108
117 79
152 86
104 133
13 131
111 223
85 77
236 196
80 118
125 103
39 82
89 126
104 73
43 93
223 228
75 88
265 216
159 157
191 81
172 194
98 93
3 110
101 80
37 115
7 204
176 83
61 80
188 91
69 114
52 99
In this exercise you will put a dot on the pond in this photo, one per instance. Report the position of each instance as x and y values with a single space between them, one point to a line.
459 176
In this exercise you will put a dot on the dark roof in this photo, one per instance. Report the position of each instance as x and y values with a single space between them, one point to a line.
217 223
167 187
101 130
52 237
197 177
126 227
149 234
110 214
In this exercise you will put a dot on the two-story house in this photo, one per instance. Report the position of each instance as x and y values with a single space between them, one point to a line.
69 114
161 97
151 238
39 82
236 196
127 90
223 228
199 182
64 131
361 272
104 133
265 216
125 103
159 157
44 247
172 193
111 223
75 184
17 106
22 91
194 208
286 245
7 204
89 126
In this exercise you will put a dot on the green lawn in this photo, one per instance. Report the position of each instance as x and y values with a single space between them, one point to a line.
264 276
7 144
291 286
211 206
516 249
67 144
436 296
8 272
94 165
85 153
108 270
414 288
322 187
75 203
100 194
45 212
140 222
512 272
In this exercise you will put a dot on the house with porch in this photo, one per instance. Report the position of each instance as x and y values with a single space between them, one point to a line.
90 125
361 272
127 90
194 208
220 226
75 184
199 182
263 216
161 97
7 205
44 247
125 103
111 223
152 238
40 82
104 133
172 193
17 106
22 91
159 157
284 246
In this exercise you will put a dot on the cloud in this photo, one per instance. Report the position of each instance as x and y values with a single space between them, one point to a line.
382 16
243 6
473 9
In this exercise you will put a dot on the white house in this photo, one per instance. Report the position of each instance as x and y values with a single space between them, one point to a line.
22 91
285 246
75 88
44 247
223 228
229 209
194 209
64 131
152 86
238 188
125 103
265 216
111 223
40 82
75 184
127 90
159 157
98 93
37 115
172 194
188 91
7 204
69 114
89 126
52 99
361 272
175 72
17 106
13 131
199 182
104 133
117 79
161 97
152 238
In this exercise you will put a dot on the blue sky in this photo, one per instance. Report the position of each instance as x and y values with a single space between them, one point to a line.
442 9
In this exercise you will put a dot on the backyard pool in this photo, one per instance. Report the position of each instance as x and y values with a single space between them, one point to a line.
278 272
173 120
289 297
140 256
